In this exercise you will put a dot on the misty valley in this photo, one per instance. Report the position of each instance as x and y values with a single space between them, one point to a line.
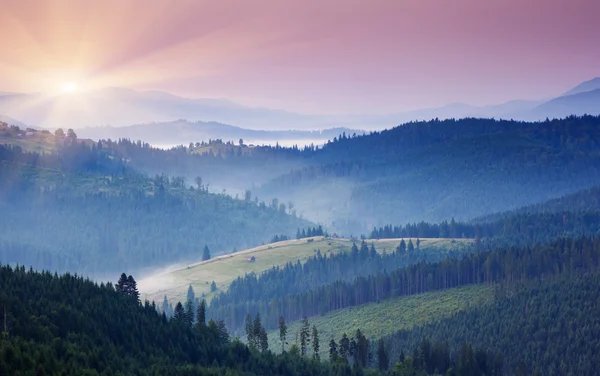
279 188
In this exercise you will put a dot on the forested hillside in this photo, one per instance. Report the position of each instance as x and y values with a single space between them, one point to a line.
82 210
437 170
430 171
68 325
295 292
552 327
587 200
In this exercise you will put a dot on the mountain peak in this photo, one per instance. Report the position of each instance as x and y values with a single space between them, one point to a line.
589 85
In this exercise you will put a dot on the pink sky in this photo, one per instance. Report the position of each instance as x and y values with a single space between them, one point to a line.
327 56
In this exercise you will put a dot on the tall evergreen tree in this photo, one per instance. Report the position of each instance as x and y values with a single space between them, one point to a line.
249 330
191 296
206 253
165 306
402 247
282 332
333 352
189 313
304 336
201 317
382 356
344 348
179 313
315 343
263 339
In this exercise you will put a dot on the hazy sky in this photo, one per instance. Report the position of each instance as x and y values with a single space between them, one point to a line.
326 56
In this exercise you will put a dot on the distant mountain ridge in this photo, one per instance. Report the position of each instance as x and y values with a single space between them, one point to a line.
589 85
119 107
183 132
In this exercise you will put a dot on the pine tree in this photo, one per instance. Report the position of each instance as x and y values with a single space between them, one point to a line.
179 313
333 353
256 331
263 339
122 283
249 330
282 332
344 347
361 352
165 306
402 247
304 336
382 356
213 286
411 246
315 343
189 313
202 313
191 296
206 253
131 289
372 251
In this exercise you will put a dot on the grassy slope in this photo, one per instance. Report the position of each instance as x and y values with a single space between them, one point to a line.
224 269
378 319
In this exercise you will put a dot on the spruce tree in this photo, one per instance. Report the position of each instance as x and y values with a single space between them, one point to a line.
202 313
263 339
304 336
402 247
344 348
382 356
249 331
189 313
333 353
131 289
315 343
179 313
165 306
206 253
282 332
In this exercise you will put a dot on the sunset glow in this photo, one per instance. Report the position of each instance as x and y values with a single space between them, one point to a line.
69 87
338 57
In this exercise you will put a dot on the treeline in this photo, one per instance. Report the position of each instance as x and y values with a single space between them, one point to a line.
552 326
512 264
513 228
280 283
294 279
66 324
310 232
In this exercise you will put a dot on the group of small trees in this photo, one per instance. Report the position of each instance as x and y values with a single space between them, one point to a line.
310 232
256 333
355 350
128 286
70 133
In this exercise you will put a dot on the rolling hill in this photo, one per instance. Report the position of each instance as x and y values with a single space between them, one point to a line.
377 320
83 210
226 268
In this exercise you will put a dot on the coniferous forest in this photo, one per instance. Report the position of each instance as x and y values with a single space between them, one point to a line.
95 210
299 188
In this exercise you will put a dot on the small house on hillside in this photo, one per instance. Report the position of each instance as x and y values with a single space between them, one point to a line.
251 259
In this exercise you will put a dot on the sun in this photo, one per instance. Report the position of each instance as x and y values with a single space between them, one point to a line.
69 87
